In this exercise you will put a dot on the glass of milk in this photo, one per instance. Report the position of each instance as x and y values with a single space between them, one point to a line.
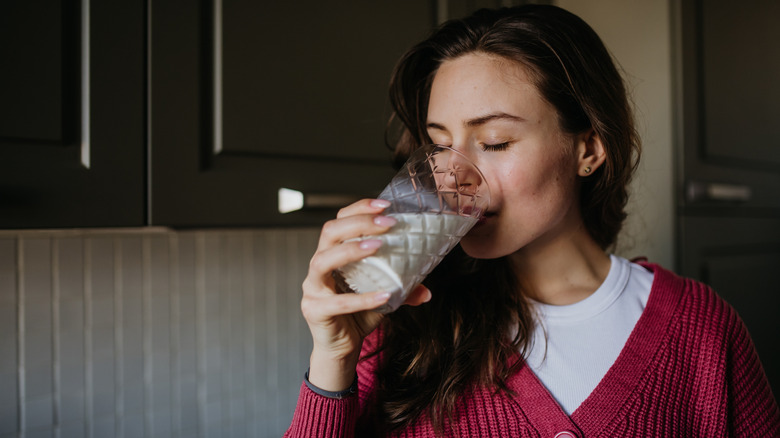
436 197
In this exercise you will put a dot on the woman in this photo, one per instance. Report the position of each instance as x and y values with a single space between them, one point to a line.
530 328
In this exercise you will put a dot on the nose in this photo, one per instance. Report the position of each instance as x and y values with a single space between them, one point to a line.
460 183
461 174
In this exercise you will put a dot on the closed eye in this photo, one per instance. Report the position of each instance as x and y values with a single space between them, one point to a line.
495 147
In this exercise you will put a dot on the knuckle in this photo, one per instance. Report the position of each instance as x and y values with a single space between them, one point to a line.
307 308
316 264
306 284
328 226
341 302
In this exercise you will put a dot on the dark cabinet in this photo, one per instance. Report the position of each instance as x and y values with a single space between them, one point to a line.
250 97
72 97
195 113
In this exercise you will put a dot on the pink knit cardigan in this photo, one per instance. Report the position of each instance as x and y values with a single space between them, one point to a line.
689 369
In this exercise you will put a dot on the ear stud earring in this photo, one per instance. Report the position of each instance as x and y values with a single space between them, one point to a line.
587 170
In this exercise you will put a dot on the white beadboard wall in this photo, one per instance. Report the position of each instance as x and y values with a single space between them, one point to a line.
151 332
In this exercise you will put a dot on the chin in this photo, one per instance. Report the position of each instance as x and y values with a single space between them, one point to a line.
481 247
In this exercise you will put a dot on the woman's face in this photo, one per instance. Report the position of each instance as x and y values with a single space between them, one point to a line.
486 107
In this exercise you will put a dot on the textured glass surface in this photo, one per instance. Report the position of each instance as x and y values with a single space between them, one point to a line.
436 197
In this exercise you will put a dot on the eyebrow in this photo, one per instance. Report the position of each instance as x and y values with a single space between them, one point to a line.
479 121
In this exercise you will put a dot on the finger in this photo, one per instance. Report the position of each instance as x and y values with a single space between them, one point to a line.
326 261
351 227
418 295
364 206
325 308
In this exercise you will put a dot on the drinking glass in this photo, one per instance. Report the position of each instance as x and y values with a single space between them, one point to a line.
436 198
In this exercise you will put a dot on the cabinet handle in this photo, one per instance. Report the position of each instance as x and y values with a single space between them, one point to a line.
723 192
293 200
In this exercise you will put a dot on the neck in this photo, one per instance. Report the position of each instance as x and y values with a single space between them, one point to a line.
561 272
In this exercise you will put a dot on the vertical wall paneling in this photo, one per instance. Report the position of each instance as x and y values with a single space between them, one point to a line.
236 317
291 362
69 351
200 315
249 331
212 348
9 390
262 270
229 315
130 346
101 346
35 338
151 333
159 334
184 334
274 336
175 335
288 300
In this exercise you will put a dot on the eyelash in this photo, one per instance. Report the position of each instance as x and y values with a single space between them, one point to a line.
495 147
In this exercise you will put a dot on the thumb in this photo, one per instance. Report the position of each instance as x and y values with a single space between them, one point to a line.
419 295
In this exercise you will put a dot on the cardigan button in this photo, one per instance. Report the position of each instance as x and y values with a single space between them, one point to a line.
565 434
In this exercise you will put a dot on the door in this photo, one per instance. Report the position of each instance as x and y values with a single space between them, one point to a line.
250 97
72 111
729 160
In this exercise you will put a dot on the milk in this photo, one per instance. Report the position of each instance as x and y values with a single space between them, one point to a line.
410 250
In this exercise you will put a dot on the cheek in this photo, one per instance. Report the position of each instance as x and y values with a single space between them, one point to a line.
511 176
536 175
529 183
538 192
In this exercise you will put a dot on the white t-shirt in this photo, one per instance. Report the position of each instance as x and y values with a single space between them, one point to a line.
584 339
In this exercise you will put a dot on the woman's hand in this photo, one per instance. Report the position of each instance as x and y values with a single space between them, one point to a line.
340 321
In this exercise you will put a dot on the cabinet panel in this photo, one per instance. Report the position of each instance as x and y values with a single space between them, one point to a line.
738 257
72 135
312 84
739 77
32 93
251 97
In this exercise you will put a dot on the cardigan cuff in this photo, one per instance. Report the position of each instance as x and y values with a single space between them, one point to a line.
330 394
316 416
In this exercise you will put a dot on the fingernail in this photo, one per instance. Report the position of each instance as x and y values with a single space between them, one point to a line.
382 297
385 221
380 203
370 244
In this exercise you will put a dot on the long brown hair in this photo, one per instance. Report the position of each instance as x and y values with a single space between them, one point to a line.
478 320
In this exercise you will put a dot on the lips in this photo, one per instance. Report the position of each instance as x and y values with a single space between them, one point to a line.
485 217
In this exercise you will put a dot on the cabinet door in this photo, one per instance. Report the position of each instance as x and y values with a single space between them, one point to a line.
71 113
729 209
249 97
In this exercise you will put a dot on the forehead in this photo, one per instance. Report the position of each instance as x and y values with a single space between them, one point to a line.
479 83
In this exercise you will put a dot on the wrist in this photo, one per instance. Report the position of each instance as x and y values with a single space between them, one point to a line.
332 372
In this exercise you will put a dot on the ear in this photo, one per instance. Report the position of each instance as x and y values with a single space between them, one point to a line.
590 153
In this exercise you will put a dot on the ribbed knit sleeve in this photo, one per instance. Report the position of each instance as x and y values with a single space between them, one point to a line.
752 408
322 417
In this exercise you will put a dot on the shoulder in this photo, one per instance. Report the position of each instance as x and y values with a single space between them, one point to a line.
690 305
